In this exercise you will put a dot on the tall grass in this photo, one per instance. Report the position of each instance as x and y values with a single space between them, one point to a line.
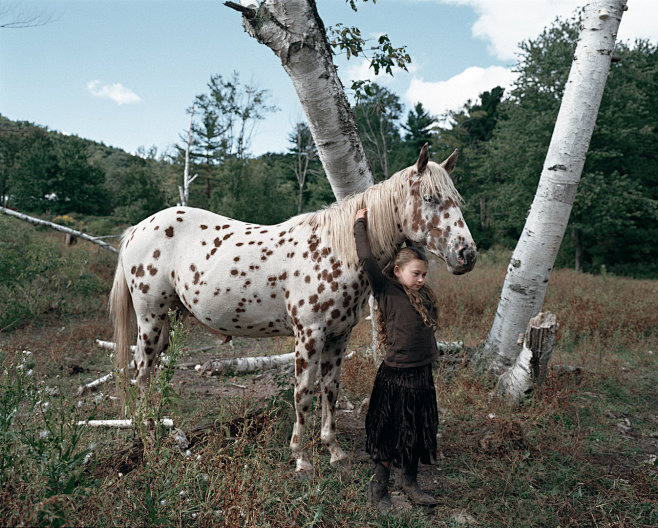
40 277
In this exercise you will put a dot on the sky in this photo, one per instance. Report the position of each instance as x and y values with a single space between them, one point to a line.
124 73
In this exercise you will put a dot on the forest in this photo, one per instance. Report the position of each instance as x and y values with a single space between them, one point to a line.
502 137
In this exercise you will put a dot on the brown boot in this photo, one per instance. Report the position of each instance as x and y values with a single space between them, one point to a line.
411 488
378 489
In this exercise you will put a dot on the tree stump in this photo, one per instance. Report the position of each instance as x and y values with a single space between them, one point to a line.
529 370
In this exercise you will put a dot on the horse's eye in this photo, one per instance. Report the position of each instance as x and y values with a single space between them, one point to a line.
429 198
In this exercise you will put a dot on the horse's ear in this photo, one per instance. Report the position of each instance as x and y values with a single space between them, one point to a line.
451 161
424 157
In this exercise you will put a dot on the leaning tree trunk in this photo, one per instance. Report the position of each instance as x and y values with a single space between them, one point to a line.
530 267
58 227
294 31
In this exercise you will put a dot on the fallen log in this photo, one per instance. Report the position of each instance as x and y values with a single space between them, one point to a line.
123 424
63 229
218 367
111 346
95 384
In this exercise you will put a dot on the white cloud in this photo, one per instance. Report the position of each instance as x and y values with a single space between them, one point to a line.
503 24
116 92
439 97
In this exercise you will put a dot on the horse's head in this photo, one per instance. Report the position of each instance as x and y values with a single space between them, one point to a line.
432 216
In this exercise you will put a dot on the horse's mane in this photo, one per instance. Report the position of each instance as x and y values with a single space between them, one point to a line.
336 221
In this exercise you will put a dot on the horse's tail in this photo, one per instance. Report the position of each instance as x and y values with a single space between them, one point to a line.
122 313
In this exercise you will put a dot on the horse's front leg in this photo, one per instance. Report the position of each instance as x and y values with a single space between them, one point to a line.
331 365
308 348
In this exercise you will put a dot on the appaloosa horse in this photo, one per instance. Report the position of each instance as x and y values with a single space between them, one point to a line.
301 277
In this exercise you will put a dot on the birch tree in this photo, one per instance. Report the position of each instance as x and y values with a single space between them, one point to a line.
184 190
294 31
533 259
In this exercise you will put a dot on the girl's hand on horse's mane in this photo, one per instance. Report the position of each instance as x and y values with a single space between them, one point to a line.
361 213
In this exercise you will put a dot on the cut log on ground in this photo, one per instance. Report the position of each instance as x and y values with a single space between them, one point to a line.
247 364
111 346
93 385
123 424
529 370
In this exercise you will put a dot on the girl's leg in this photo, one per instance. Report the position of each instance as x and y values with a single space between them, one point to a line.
410 484
378 489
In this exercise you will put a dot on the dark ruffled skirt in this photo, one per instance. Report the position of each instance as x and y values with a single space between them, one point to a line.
402 419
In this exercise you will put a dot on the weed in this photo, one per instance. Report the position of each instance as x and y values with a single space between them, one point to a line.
41 453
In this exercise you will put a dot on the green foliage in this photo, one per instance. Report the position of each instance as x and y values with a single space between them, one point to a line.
377 115
41 451
139 193
38 276
503 145
381 55
418 128
251 193
146 409
304 162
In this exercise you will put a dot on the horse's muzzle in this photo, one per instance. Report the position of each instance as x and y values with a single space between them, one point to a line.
462 260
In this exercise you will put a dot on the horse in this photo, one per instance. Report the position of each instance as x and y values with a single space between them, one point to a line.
299 278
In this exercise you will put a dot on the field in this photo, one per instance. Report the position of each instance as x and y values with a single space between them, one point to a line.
581 451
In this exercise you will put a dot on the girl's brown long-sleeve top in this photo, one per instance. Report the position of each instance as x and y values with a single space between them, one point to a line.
410 342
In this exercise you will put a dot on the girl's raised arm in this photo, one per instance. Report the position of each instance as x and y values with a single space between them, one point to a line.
363 251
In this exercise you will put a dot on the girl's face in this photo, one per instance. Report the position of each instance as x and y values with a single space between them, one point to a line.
412 274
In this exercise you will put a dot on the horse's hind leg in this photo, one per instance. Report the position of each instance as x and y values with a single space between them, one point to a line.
152 339
308 349
331 365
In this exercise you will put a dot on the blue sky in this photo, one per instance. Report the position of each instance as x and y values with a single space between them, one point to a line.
124 73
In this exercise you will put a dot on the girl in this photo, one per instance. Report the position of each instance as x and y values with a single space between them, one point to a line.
402 419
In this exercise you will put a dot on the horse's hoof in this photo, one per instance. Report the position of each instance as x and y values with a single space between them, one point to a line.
305 474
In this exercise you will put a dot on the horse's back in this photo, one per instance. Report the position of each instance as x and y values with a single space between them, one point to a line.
231 275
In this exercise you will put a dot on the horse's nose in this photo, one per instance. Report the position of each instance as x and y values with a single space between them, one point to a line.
466 255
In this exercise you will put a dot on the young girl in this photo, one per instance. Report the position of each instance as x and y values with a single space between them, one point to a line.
402 419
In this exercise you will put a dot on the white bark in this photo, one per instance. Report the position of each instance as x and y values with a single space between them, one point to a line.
95 384
245 364
529 270
111 346
293 30
64 229
122 424
531 366
184 191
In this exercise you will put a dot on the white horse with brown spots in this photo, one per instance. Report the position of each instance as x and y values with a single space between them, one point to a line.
300 277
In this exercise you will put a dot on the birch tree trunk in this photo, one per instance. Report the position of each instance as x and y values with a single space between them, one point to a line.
294 31
63 229
184 190
533 259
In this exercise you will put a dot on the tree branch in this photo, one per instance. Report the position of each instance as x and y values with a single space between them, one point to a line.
247 12
64 229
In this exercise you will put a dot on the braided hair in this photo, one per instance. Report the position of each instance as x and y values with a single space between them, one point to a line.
422 300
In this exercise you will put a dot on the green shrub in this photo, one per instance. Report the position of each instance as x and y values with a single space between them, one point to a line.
38 275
